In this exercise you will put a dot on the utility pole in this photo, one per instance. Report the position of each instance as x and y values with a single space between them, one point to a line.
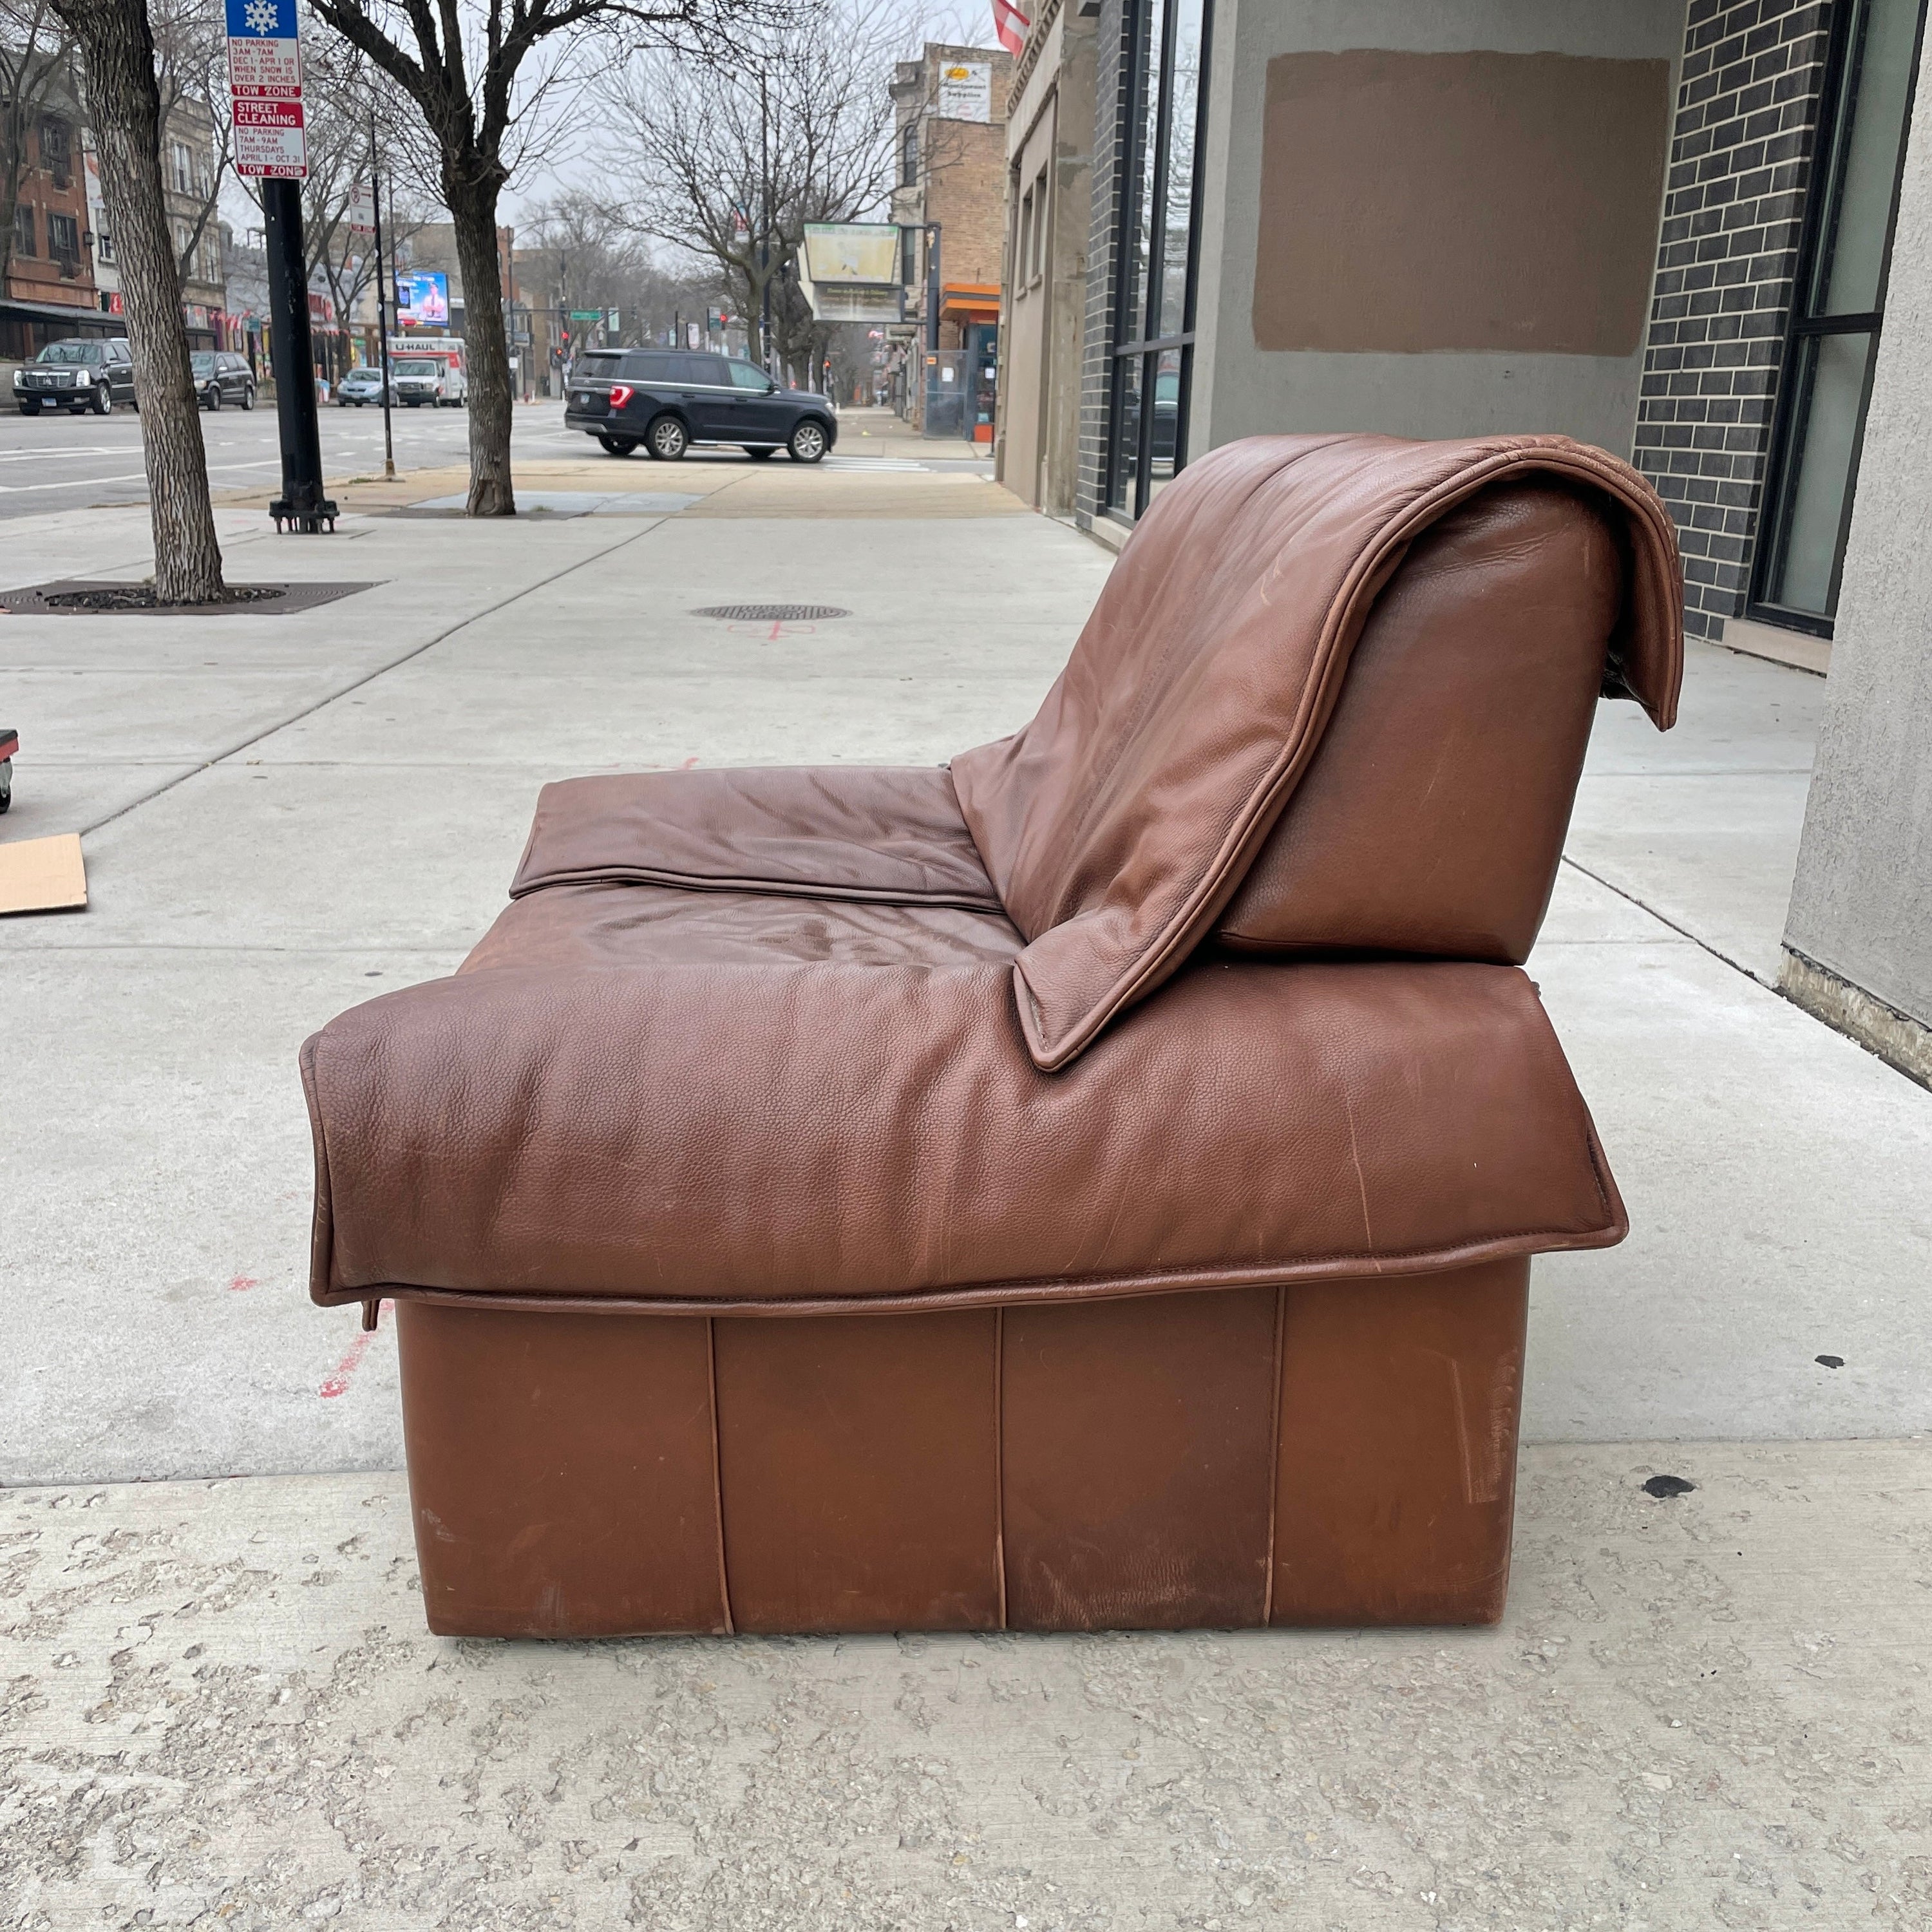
301 504
933 230
382 307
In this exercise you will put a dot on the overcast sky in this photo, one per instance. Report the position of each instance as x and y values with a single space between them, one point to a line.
968 22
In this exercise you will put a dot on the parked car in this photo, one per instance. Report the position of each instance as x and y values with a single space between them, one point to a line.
362 386
436 379
222 377
76 374
666 400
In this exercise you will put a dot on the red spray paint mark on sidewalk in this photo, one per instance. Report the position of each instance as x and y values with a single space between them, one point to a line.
688 763
242 1283
336 1381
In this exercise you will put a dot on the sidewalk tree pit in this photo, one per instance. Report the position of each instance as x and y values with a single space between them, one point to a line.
79 598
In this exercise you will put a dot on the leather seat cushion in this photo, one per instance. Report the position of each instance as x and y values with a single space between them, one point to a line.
632 1095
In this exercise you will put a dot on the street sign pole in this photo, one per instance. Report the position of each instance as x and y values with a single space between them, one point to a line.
381 308
264 86
301 505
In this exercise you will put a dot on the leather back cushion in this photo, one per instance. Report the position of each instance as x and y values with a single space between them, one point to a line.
1432 819
1119 824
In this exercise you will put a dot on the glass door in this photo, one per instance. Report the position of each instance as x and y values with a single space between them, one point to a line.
1838 309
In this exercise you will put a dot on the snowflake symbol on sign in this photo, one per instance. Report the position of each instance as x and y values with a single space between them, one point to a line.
263 15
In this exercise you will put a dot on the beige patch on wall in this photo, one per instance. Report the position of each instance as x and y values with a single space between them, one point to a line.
1416 203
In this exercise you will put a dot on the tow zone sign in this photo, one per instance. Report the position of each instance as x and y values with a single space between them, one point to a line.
265 79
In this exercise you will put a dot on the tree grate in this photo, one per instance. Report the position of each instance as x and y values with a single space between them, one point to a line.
771 613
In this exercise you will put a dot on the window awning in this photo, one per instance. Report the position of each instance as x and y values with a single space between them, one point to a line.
969 301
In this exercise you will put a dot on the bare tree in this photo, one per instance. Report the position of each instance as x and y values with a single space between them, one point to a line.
117 51
36 72
730 160
191 76
347 109
482 73
608 264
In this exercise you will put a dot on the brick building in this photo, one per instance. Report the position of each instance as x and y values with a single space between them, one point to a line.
49 270
1755 376
191 187
950 203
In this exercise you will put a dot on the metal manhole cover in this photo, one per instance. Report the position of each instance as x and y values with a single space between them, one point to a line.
772 613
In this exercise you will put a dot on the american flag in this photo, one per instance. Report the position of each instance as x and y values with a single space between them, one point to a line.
1009 26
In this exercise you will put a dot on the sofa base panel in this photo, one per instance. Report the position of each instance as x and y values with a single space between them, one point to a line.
1327 1453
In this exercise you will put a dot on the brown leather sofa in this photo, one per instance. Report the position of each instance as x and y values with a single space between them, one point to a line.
1092 1185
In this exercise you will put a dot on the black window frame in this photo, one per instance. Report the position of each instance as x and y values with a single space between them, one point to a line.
64 227
1127 337
1818 234
56 146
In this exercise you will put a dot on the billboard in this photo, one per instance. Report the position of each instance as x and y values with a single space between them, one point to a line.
422 299
850 272
966 91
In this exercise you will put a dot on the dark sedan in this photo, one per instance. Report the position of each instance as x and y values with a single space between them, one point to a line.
665 400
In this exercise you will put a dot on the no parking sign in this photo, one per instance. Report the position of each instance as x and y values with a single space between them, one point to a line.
265 79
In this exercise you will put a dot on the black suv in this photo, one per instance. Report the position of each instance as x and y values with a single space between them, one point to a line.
221 377
76 374
667 399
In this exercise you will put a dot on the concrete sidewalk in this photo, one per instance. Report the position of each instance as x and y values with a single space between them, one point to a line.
222 1697
1708 1712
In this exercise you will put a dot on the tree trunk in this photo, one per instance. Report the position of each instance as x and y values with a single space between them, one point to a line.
123 104
472 208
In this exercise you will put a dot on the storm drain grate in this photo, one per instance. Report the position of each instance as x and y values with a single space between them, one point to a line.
772 613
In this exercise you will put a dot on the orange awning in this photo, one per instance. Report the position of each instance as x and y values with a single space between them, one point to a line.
970 301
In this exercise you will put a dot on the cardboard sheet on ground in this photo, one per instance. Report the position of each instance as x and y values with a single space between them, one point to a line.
43 874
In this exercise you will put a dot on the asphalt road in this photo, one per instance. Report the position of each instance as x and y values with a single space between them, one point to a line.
64 462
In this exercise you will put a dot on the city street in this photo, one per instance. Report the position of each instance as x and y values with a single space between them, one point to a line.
67 462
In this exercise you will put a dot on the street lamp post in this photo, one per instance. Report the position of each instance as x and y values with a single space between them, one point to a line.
382 307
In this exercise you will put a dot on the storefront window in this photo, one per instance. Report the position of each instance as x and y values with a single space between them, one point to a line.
1838 312
1156 248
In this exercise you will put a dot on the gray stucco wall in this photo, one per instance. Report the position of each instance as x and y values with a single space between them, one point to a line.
1240 389
1862 905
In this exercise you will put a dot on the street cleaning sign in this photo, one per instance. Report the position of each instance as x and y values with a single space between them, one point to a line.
265 81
